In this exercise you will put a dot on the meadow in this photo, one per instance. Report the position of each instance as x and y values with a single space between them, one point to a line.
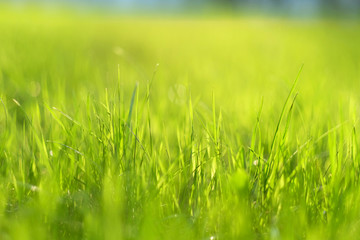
178 127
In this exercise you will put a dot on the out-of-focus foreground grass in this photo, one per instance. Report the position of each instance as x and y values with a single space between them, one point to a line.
178 128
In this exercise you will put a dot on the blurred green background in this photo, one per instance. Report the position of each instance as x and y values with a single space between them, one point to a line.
134 120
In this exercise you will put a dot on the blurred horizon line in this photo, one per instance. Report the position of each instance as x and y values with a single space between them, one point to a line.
304 8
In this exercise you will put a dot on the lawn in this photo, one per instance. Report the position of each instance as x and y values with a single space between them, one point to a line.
178 127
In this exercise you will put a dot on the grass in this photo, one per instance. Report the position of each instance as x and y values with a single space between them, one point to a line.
178 128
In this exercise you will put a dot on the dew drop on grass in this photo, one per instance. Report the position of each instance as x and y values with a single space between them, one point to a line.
34 188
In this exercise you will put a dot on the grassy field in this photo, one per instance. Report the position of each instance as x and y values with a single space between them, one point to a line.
178 127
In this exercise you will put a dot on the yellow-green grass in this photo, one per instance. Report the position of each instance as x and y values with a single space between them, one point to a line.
146 127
